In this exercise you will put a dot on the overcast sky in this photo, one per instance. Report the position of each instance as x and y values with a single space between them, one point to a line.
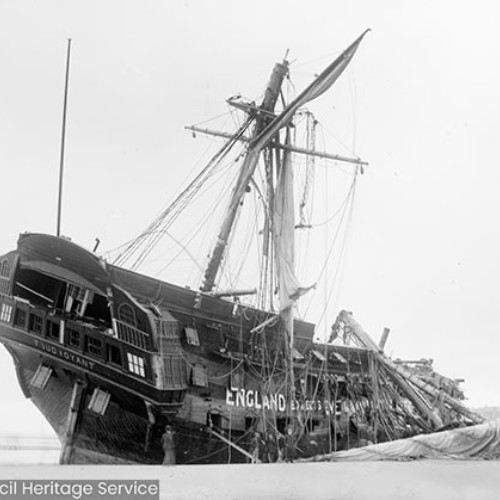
420 102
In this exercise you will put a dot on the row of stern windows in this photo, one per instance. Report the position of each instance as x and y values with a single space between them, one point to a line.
91 345
99 348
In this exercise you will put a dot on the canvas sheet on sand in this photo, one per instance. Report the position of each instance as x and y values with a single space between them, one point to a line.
479 441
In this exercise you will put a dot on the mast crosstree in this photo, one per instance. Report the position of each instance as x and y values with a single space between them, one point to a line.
266 131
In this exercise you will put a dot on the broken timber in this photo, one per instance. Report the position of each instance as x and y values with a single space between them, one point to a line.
402 377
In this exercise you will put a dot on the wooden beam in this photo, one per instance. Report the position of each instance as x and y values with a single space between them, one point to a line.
233 445
233 293
383 339
151 424
277 145
419 403
406 376
373 367
77 398
251 109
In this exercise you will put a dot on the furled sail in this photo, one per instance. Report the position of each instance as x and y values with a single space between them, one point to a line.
284 240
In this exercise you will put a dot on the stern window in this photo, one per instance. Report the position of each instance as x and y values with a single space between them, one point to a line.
114 354
6 313
93 346
4 269
73 338
127 315
35 323
136 364
20 318
52 330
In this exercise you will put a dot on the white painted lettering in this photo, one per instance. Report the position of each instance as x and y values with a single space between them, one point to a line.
274 402
281 402
258 404
240 397
265 402
229 397
251 398
61 353
250 401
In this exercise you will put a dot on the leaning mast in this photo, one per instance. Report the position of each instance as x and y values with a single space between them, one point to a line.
246 172
265 131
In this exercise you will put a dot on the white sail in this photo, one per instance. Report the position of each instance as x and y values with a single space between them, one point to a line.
284 240
319 85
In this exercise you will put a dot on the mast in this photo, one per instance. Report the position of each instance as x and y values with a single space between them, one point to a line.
284 254
284 217
246 172
264 133
265 275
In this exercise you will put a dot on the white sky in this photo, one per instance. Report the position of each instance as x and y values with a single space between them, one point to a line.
423 254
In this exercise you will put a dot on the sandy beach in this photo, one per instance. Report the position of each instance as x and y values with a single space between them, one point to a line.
427 480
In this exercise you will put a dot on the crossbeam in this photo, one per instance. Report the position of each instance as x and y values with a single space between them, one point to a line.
277 145
250 108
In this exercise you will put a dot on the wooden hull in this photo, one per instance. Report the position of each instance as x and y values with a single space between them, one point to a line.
110 357
120 435
125 434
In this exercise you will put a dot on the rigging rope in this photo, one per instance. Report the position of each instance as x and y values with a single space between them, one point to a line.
310 164
348 203
154 232
195 231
